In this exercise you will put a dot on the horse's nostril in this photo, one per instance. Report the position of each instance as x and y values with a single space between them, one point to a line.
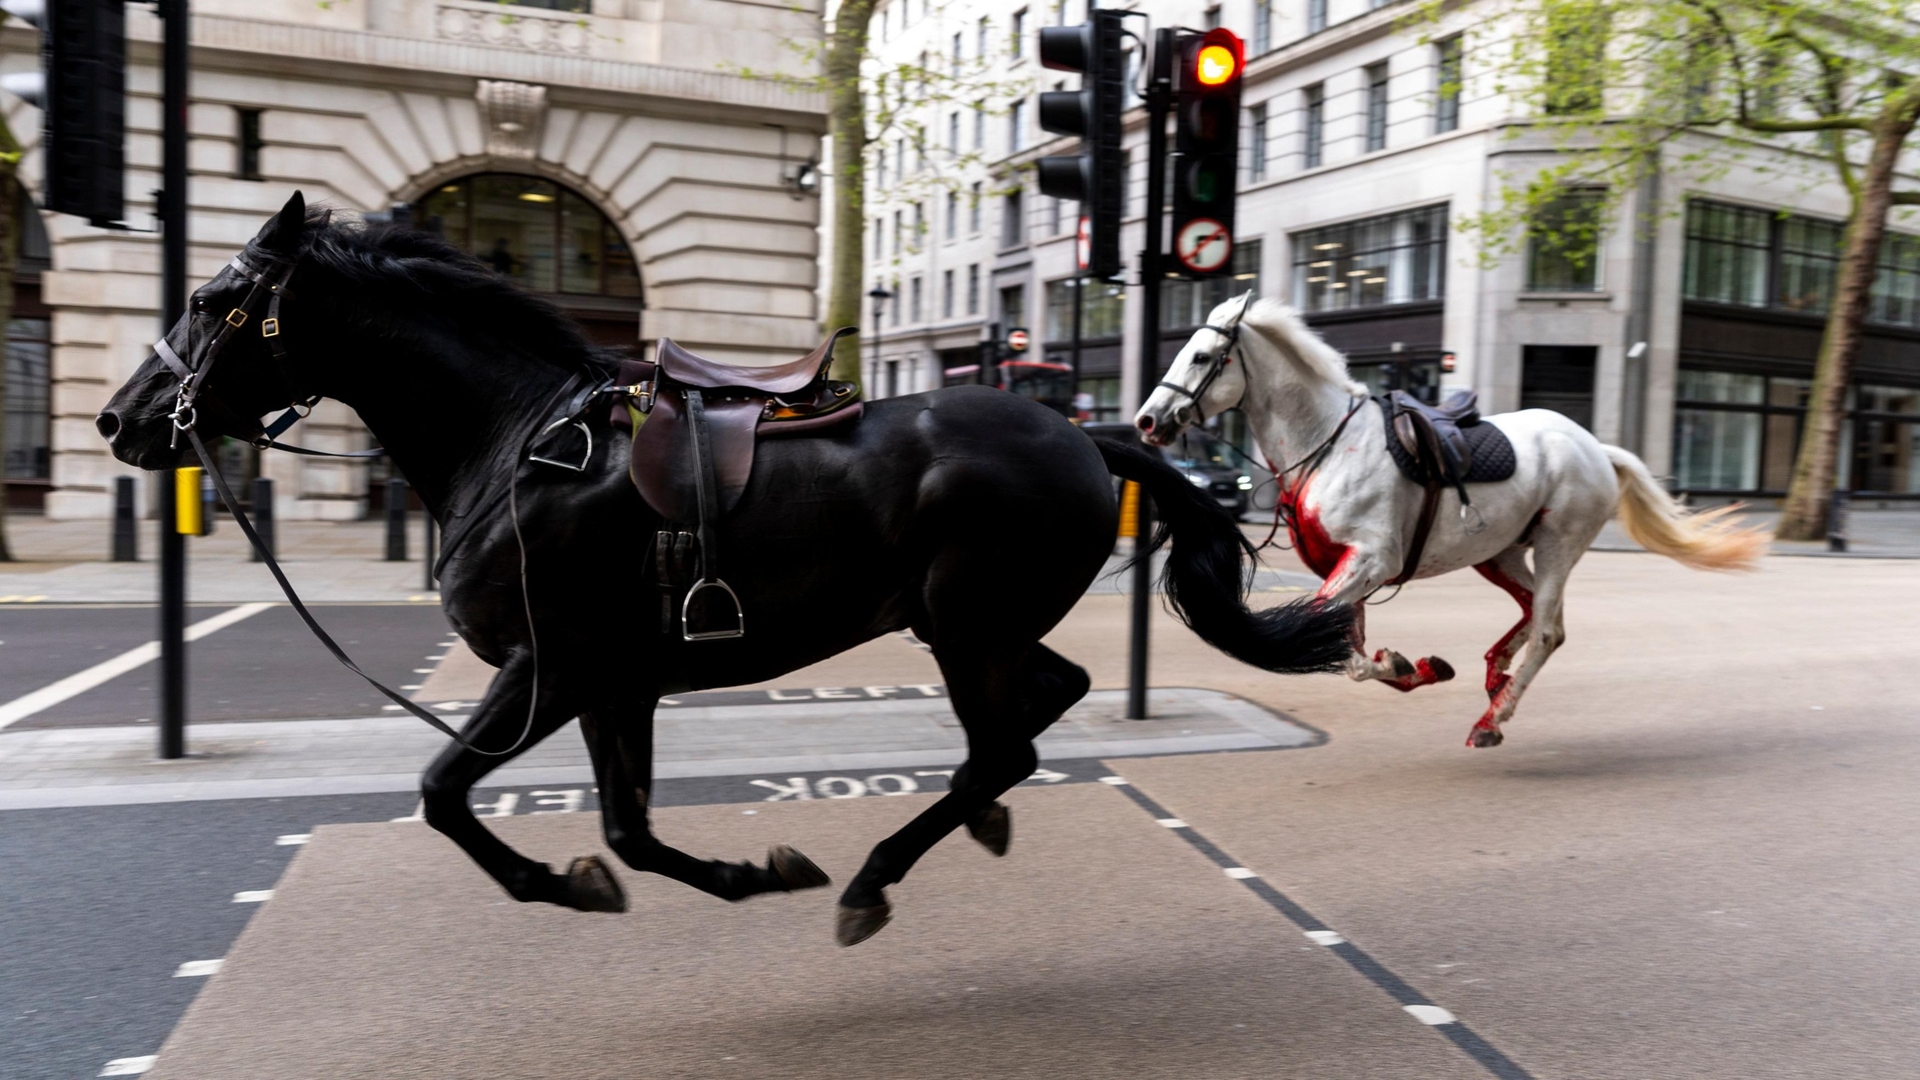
1144 423
108 424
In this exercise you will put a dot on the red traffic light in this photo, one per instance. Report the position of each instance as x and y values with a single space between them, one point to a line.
1217 61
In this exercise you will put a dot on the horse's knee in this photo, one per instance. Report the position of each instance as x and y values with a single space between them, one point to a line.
443 804
637 849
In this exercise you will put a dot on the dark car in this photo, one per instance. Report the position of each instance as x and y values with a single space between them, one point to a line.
1205 460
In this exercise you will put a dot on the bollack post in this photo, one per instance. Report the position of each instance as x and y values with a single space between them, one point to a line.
1159 91
126 530
1837 521
263 518
173 304
396 520
427 552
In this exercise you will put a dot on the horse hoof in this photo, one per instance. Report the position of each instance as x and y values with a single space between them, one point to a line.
993 828
1442 671
1485 736
794 870
591 886
856 924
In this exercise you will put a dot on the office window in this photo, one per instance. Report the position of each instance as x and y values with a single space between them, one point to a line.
1563 244
1060 12
914 312
1013 218
1103 310
248 138
1210 18
1017 35
979 125
1257 146
880 168
886 17
1393 259
1013 307
1313 131
973 289
898 303
1809 264
975 209
1262 26
1728 250
898 234
980 48
953 214
953 133
1316 16
1896 288
879 238
957 52
899 159
1186 304
946 294
1446 89
1376 107
919 153
1017 126
29 345
1576 54
919 224
1053 216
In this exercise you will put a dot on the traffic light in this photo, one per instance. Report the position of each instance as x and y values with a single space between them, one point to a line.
1206 150
82 92
1096 176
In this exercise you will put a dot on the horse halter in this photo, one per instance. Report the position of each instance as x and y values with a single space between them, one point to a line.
1216 363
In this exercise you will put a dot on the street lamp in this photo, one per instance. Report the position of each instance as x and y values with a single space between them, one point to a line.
879 295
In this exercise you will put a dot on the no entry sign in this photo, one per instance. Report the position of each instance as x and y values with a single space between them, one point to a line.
1016 341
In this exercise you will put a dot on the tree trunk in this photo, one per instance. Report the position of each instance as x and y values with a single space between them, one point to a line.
1815 468
847 124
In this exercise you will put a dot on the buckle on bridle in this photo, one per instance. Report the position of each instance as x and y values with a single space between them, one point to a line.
269 328
237 318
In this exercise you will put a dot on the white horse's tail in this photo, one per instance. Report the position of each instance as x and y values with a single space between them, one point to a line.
1708 540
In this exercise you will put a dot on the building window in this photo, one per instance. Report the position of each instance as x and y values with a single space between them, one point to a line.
1446 90
1376 107
879 239
946 294
1758 258
1316 16
1210 18
975 209
1257 161
894 308
248 138
1563 244
29 427
953 214
1728 252
1017 126
953 133
973 289
899 234
1809 264
1017 35
1737 432
956 52
1262 26
979 125
919 224
1186 304
1103 310
1393 259
1313 132
1053 216
541 235
1013 307
1576 54
1896 288
1013 218
915 313
982 30
880 168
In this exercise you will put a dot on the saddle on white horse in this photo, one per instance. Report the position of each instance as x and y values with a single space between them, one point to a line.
1440 447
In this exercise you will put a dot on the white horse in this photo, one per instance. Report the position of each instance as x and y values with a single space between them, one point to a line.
1353 515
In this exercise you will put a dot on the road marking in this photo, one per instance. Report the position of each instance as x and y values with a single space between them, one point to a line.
80 682
253 896
1116 781
1325 937
194 969
129 1066
1239 873
1430 1015
291 839
423 671
1173 823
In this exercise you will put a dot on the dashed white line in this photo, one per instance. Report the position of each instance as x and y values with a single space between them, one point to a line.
1116 781
253 896
82 681
1240 873
1430 1015
423 671
1324 937
290 839
195 969
1171 822
129 1066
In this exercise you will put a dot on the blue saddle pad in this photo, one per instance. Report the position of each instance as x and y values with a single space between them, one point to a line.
1493 457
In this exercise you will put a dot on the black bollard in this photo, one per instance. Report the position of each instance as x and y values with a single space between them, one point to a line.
427 552
1837 521
263 517
126 534
396 520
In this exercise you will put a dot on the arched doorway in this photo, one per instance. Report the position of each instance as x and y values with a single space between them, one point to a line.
547 238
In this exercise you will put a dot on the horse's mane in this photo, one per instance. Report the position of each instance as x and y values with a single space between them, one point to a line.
1283 326
395 258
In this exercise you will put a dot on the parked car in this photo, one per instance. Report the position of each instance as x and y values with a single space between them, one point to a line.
1205 460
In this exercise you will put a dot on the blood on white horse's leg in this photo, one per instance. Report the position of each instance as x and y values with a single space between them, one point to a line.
1508 570
1357 574
1545 632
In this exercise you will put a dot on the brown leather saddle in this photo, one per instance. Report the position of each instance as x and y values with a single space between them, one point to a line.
1438 447
695 424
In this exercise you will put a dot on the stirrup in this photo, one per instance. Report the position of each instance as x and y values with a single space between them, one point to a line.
686 607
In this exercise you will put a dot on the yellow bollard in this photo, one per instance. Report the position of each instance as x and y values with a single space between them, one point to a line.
1130 509
186 501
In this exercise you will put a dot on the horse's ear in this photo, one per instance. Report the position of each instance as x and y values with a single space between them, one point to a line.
282 230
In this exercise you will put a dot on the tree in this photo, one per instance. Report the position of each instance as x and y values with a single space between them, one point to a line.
1802 88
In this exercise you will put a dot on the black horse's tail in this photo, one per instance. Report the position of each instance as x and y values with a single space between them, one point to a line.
1207 572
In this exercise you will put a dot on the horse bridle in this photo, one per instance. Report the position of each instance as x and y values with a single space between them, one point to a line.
1216 364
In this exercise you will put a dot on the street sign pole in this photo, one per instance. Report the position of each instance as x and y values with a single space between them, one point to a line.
1158 90
173 303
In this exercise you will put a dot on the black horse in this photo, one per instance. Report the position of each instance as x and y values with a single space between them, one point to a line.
974 517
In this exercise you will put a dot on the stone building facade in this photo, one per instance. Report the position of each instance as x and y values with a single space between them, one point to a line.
626 156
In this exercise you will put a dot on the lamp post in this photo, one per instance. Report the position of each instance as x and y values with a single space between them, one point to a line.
879 295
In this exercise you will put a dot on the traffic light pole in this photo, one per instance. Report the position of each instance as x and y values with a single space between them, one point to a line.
173 303
1159 91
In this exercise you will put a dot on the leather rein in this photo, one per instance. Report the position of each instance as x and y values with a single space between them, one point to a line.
270 285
